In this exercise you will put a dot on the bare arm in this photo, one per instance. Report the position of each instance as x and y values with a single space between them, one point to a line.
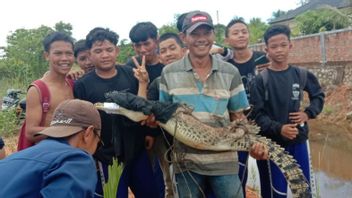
2 153
142 76
33 115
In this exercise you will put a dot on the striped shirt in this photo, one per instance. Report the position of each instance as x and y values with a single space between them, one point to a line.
220 94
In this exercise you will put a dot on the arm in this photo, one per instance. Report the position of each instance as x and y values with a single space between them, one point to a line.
316 96
33 115
2 149
142 76
73 175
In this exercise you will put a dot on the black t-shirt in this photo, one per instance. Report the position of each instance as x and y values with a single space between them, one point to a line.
153 90
124 139
154 71
247 69
283 89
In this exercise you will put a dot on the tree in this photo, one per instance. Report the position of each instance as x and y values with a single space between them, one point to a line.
219 33
277 14
168 28
64 27
126 51
323 19
23 60
24 53
256 29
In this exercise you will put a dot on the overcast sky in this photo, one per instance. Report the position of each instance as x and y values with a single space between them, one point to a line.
121 15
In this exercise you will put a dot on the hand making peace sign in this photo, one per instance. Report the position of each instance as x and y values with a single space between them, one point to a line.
140 72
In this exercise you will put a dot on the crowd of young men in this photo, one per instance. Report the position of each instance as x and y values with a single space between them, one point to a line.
176 68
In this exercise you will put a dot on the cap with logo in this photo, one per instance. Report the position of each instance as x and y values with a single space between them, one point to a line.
70 117
195 19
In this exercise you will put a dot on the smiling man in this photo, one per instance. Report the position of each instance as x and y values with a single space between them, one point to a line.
58 51
212 87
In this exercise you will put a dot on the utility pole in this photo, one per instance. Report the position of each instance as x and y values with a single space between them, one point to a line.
217 16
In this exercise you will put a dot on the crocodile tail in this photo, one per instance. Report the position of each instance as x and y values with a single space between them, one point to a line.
289 167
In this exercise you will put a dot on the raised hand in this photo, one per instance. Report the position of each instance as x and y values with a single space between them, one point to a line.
140 71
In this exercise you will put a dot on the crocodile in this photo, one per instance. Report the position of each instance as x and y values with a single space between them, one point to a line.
177 119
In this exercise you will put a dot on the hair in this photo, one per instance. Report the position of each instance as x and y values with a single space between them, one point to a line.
80 46
179 22
143 31
101 34
275 30
233 22
56 36
171 35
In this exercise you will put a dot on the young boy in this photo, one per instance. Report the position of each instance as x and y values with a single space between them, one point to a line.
58 51
81 52
277 108
122 138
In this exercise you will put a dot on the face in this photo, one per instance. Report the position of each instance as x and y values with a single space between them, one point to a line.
91 139
278 48
146 48
84 62
103 55
238 36
60 57
170 51
200 41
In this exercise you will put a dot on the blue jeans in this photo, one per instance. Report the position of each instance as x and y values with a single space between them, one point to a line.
191 185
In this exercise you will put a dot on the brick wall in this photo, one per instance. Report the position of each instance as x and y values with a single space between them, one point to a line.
327 54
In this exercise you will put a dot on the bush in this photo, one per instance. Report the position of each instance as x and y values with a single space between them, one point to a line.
8 123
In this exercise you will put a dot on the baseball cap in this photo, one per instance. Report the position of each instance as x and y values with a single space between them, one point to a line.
194 19
72 116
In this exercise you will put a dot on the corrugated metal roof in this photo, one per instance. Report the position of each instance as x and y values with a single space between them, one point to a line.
313 4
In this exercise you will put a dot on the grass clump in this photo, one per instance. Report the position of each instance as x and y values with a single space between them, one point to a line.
110 187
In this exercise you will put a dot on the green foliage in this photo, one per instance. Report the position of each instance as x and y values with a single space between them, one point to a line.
277 14
23 59
168 28
64 27
24 53
115 171
126 51
219 33
324 19
8 123
256 29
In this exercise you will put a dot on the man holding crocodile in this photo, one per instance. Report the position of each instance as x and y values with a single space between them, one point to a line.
213 88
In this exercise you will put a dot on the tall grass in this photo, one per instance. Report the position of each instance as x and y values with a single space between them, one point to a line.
8 123
115 171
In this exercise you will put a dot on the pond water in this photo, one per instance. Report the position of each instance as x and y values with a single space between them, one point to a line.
331 159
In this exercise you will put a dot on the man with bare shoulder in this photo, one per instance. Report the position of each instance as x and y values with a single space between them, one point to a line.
58 51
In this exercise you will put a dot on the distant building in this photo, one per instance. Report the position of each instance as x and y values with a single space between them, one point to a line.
288 18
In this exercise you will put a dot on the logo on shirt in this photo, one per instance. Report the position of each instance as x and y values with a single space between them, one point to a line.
295 91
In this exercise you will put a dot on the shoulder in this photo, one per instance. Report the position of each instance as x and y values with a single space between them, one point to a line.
177 66
257 54
225 67
124 68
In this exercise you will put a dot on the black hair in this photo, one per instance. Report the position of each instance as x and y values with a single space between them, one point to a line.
275 30
101 34
171 35
79 47
179 22
56 36
233 22
143 31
